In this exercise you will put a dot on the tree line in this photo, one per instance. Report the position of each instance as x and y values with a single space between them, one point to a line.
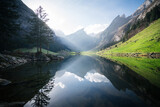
39 35
150 17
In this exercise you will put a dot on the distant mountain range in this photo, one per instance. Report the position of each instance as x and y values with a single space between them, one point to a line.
114 33
79 41
59 33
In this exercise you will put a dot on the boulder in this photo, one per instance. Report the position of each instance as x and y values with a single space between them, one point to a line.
9 61
41 57
53 57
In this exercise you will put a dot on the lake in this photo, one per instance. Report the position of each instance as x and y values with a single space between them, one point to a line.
80 81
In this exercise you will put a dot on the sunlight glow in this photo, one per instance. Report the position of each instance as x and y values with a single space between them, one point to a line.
71 15
96 28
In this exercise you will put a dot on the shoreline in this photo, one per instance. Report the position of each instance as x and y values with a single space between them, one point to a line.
13 60
148 55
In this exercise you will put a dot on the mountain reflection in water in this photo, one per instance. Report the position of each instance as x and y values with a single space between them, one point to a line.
87 81
78 81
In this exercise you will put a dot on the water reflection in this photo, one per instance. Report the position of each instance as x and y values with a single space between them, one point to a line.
93 76
79 81
41 99
26 81
88 82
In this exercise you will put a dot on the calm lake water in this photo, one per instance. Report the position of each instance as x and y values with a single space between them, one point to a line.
78 81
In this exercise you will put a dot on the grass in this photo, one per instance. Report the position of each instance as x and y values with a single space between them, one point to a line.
147 41
72 53
88 53
34 50
148 68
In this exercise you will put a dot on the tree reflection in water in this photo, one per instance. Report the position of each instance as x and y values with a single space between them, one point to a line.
41 99
124 87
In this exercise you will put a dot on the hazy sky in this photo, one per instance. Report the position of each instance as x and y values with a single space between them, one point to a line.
95 15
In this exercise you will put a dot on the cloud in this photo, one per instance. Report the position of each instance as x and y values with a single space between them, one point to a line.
96 28
75 76
79 78
96 77
60 84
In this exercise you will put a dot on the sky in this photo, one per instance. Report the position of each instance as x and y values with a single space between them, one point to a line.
93 15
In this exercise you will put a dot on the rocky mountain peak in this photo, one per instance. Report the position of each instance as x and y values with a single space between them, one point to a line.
123 16
143 7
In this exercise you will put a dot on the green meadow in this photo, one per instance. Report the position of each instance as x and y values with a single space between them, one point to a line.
147 41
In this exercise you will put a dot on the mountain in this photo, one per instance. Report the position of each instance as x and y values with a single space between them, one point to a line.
59 33
137 16
25 15
120 25
142 7
149 8
79 41
107 35
146 42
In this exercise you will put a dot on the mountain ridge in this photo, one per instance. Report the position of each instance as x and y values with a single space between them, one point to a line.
118 33
26 14
79 41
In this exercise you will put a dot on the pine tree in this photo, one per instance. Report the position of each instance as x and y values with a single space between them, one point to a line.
42 16
33 37
40 32
49 37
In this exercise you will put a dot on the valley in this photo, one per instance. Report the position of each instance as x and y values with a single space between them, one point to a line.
79 53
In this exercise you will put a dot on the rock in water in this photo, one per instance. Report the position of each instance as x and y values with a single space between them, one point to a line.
4 82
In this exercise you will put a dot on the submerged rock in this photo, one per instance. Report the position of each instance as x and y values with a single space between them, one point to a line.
4 82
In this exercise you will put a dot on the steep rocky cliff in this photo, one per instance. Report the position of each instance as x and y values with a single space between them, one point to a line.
120 25
146 7
140 14
107 35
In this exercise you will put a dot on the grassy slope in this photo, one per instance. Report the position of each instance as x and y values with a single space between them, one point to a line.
88 53
148 68
146 41
33 50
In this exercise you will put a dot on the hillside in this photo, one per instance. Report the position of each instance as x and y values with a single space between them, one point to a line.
18 40
147 41
120 25
138 19
79 41
107 35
